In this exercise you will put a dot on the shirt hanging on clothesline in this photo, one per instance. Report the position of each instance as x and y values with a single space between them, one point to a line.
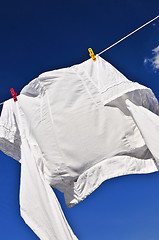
72 129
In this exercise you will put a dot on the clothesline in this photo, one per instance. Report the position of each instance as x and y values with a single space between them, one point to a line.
14 95
127 36
120 39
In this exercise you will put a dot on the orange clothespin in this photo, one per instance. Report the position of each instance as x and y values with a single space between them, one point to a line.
91 54
14 94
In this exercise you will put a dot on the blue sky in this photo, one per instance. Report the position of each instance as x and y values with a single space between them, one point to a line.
38 36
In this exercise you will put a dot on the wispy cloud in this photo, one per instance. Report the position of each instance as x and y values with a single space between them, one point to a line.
154 61
156 57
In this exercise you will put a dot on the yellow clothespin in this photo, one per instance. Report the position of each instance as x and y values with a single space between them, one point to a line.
91 54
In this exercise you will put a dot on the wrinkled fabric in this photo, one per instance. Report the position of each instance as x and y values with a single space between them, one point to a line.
72 129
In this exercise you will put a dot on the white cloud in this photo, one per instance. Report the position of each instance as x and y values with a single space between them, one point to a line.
154 61
156 49
146 60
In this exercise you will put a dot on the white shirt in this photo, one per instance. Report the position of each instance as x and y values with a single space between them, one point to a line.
72 129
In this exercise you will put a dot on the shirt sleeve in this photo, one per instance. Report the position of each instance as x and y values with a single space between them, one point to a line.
148 124
39 206
10 140
144 98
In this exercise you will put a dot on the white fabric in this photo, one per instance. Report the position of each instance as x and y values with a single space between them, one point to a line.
72 129
148 123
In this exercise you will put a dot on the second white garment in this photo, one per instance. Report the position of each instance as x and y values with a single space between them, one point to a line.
74 128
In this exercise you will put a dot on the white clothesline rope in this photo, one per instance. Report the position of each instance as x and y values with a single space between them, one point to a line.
120 40
127 35
14 95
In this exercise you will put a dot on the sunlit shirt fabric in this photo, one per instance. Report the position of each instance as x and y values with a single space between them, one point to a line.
72 129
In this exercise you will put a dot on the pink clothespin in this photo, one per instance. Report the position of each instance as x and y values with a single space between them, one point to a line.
14 94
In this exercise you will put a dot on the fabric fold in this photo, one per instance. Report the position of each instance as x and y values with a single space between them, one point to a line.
148 124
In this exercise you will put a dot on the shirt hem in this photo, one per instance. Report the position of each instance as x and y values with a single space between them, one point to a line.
92 178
